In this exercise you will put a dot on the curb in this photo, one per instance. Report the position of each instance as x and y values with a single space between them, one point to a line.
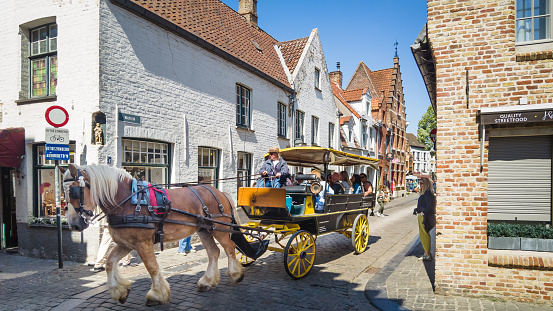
376 291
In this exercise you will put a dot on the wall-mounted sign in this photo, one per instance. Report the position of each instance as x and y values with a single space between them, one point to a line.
389 156
129 118
518 117
57 152
56 136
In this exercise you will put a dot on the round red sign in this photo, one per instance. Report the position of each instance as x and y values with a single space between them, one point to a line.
56 116
433 135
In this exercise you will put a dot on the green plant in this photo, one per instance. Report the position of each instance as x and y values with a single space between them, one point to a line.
520 230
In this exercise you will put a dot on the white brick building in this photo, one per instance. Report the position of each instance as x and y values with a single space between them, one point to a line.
204 102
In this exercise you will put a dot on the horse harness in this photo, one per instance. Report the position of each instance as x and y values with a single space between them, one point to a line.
159 207
77 193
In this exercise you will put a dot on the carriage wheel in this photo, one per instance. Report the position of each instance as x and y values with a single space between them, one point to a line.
360 233
299 254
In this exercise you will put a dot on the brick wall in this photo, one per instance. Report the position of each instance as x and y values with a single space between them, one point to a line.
478 36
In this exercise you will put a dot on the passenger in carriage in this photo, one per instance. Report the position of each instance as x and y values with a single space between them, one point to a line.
336 184
356 181
325 189
346 182
367 186
274 172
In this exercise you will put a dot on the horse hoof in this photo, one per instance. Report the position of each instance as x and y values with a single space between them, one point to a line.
240 279
203 288
151 303
124 298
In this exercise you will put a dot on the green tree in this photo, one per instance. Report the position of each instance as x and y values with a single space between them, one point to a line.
426 124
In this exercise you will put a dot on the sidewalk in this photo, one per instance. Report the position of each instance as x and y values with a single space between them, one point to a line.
406 283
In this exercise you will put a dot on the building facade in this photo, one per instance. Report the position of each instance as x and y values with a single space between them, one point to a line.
424 163
488 69
156 87
388 113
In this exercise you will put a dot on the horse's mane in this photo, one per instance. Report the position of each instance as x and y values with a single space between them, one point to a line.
104 182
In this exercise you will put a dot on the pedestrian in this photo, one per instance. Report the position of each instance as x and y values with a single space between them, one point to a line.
426 213
106 243
185 247
346 183
356 184
274 171
382 199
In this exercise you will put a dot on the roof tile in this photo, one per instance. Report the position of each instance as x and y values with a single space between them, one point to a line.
223 27
291 51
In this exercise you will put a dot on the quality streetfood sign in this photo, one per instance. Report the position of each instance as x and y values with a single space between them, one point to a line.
518 117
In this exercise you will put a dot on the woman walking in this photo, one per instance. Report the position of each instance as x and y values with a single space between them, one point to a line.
382 199
426 211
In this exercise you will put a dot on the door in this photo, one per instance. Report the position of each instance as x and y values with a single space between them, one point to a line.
9 224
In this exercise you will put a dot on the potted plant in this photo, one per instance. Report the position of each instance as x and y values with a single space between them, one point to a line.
527 237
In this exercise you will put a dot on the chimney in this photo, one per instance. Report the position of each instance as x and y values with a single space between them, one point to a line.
248 9
336 76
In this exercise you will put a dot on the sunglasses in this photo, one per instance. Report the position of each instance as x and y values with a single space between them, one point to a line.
272 153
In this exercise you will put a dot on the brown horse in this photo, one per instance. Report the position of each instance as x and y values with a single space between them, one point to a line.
110 188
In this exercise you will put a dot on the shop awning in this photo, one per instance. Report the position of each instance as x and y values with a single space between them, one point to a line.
12 146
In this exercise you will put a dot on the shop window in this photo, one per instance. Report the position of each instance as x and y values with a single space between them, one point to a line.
44 176
146 160
208 166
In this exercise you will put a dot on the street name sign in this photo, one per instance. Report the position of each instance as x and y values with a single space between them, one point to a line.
57 152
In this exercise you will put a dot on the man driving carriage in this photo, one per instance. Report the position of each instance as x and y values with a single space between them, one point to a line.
274 171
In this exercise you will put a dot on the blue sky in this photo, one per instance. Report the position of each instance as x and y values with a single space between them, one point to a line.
352 31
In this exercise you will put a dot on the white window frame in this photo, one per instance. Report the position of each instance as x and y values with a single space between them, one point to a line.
331 129
281 112
317 78
43 48
244 168
314 131
211 166
527 36
299 122
243 106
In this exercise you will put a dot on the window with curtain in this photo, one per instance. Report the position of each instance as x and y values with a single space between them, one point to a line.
208 166
533 20
43 60
243 113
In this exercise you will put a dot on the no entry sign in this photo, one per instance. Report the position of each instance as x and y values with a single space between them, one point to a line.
56 116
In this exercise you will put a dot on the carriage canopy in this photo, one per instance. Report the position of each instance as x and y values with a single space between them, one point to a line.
315 156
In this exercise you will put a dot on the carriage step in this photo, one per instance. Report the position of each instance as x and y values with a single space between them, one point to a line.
252 250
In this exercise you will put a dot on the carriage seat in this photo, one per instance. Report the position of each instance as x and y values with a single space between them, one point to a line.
296 189
306 177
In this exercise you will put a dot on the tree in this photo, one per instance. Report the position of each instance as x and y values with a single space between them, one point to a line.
426 124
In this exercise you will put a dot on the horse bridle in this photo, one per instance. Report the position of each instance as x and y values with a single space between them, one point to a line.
77 193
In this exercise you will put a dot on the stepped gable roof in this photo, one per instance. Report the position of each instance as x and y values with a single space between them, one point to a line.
338 93
221 26
413 141
291 51
382 79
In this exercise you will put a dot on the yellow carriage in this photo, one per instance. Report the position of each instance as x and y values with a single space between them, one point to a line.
289 212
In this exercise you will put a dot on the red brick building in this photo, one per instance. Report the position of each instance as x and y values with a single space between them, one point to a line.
388 111
488 68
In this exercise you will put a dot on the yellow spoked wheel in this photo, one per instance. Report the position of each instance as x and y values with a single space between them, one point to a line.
299 254
360 233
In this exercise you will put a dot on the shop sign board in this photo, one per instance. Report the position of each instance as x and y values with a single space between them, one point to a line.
518 117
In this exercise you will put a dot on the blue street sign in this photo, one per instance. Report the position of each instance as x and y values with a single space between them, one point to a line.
57 152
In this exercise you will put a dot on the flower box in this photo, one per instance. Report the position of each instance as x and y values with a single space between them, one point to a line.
503 243
529 244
